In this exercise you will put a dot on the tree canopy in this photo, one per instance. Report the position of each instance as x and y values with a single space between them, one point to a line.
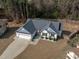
17 9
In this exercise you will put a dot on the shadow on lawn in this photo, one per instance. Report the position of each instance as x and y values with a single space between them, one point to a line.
65 32
9 32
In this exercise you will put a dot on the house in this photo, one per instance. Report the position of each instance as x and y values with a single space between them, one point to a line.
46 29
3 26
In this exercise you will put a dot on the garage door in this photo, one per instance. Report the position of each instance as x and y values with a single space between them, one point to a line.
24 36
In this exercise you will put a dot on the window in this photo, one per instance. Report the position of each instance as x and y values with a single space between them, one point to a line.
44 34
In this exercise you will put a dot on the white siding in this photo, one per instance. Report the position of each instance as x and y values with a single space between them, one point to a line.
49 34
24 36
44 31
55 36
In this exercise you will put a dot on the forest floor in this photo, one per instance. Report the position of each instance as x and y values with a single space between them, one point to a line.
44 49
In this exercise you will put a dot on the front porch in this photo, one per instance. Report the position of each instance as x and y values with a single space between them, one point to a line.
39 36
48 36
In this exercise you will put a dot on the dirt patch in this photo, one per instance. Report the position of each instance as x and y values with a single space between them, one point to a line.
71 26
66 32
44 50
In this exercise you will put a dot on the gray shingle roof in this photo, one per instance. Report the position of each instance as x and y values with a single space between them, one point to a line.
56 25
52 27
29 26
40 24
22 30
44 24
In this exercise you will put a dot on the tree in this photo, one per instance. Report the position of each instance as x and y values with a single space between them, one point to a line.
17 9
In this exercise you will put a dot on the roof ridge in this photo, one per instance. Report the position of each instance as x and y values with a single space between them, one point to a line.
46 25
29 25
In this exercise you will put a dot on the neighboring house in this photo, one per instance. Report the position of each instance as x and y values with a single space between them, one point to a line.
3 26
46 29
73 54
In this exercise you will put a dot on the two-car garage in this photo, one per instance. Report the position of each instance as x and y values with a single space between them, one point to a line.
27 31
23 36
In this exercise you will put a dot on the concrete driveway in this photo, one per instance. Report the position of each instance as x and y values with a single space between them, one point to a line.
15 48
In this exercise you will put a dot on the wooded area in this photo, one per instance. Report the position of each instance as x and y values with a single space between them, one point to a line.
17 9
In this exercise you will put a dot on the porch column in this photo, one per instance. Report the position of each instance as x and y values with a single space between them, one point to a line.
55 36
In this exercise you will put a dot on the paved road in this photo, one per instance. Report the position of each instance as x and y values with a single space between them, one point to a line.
14 49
